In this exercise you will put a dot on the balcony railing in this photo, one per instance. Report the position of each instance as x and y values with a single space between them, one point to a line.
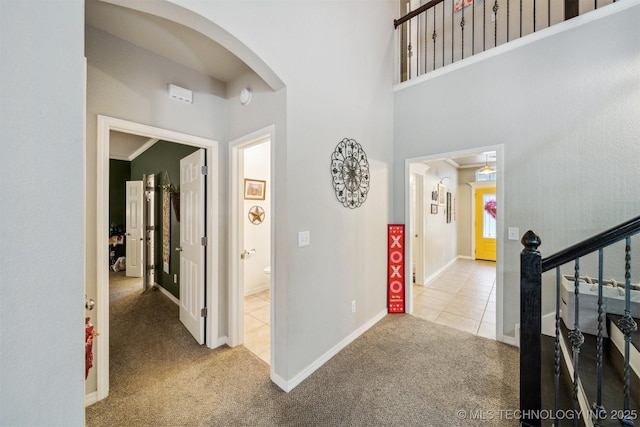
440 32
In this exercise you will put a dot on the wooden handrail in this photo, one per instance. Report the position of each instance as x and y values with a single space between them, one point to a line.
418 11
592 244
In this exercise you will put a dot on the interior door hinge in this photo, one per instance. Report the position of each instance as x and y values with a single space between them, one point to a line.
203 241
203 312
204 170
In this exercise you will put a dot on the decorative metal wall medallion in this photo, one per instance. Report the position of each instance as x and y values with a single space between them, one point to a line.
350 173
256 215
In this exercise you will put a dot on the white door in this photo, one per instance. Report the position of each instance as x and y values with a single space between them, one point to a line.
134 200
192 197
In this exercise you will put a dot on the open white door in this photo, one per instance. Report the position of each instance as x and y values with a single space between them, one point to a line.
192 243
134 229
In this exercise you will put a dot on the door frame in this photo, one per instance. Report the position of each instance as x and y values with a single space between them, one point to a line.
105 125
499 184
236 286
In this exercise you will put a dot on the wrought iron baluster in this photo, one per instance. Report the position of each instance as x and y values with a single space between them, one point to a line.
576 339
556 383
418 46
548 13
534 16
495 23
508 20
462 33
426 56
628 326
473 28
484 26
599 411
434 36
444 32
520 18
452 28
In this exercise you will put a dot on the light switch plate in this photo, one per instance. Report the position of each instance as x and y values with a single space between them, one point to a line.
304 238
514 233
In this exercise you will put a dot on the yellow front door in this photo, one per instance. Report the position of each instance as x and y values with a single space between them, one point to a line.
486 223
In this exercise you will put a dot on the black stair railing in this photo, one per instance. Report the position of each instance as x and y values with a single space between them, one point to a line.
442 32
532 266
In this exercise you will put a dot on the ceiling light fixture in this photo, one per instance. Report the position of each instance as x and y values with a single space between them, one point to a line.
486 169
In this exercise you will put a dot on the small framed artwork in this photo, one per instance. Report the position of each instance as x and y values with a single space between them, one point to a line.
442 194
434 208
254 189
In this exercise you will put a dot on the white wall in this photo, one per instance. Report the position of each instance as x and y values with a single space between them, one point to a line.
565 107
338 71
440 237
463 211
257 236
42 186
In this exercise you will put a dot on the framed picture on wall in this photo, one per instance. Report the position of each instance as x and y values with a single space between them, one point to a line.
254 189
442 194
434 208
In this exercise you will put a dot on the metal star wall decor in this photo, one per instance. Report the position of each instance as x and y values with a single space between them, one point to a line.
256 215
350 173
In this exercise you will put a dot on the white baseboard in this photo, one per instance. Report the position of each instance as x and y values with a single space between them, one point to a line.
223 340
167 294
90 399
509 340
258 289
295 381
440 270
549 324
465 257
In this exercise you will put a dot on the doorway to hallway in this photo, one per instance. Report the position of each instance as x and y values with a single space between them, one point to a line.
442 219
106 125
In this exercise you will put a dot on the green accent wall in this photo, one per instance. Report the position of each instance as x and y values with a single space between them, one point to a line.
160 158
119 174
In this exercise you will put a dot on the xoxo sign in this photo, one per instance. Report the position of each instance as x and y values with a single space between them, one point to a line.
395 272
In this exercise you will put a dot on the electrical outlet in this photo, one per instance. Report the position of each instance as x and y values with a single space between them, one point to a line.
304 238
353 306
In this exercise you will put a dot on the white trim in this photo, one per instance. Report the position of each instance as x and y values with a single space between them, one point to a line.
508 340
105 125
223 340
90 399
549 324
440 270
167 294
150 143
257 290
305 373
561 27
236 285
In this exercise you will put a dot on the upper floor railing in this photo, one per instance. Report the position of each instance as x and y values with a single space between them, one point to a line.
437 33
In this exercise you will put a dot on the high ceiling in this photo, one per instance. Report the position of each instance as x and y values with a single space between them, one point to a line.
165 38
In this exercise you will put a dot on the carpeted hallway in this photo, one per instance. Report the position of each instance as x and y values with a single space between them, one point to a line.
405 371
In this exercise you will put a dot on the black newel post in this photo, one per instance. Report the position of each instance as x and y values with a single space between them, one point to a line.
530 321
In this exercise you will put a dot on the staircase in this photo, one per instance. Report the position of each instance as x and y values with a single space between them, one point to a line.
584 372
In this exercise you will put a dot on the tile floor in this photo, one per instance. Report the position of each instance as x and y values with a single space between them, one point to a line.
462 297
257 321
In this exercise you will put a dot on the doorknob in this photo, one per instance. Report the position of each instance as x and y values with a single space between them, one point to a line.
245 253
89 304
178 249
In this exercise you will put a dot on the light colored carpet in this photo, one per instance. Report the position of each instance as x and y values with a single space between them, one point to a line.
404 371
